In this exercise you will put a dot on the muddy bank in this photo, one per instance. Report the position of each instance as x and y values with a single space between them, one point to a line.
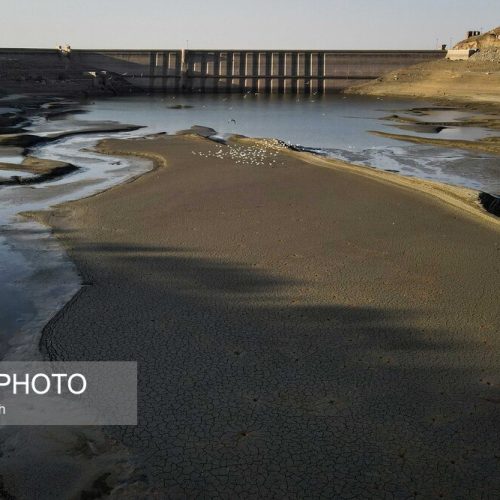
490 201
465 200
422 117
29 140
40 170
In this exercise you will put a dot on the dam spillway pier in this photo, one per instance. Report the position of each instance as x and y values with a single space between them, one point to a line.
203 71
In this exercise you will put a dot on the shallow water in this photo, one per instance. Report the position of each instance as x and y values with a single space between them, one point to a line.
6 174
461 133
11 155
36 277
338 125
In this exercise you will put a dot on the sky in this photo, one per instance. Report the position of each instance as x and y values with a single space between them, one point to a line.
240 24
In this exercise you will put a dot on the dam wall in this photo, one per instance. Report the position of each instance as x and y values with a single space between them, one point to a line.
210 71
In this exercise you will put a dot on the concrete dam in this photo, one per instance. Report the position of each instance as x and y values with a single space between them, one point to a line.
200 71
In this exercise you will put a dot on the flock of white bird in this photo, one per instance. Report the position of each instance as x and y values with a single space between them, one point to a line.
265 152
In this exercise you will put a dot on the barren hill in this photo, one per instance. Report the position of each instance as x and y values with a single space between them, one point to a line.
486 40
474 80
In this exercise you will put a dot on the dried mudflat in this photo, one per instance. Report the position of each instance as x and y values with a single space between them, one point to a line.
300 331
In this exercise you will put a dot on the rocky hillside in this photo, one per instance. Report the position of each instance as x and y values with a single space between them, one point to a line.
490 39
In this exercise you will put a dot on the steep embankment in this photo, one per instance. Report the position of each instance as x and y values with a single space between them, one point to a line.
476 79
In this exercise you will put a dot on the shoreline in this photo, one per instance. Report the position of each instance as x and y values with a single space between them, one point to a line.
489 145
457 197
41 170
464 200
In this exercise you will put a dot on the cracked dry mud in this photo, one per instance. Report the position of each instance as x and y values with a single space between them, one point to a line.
300 332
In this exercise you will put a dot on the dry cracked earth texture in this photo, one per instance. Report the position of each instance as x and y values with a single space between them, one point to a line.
300 332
